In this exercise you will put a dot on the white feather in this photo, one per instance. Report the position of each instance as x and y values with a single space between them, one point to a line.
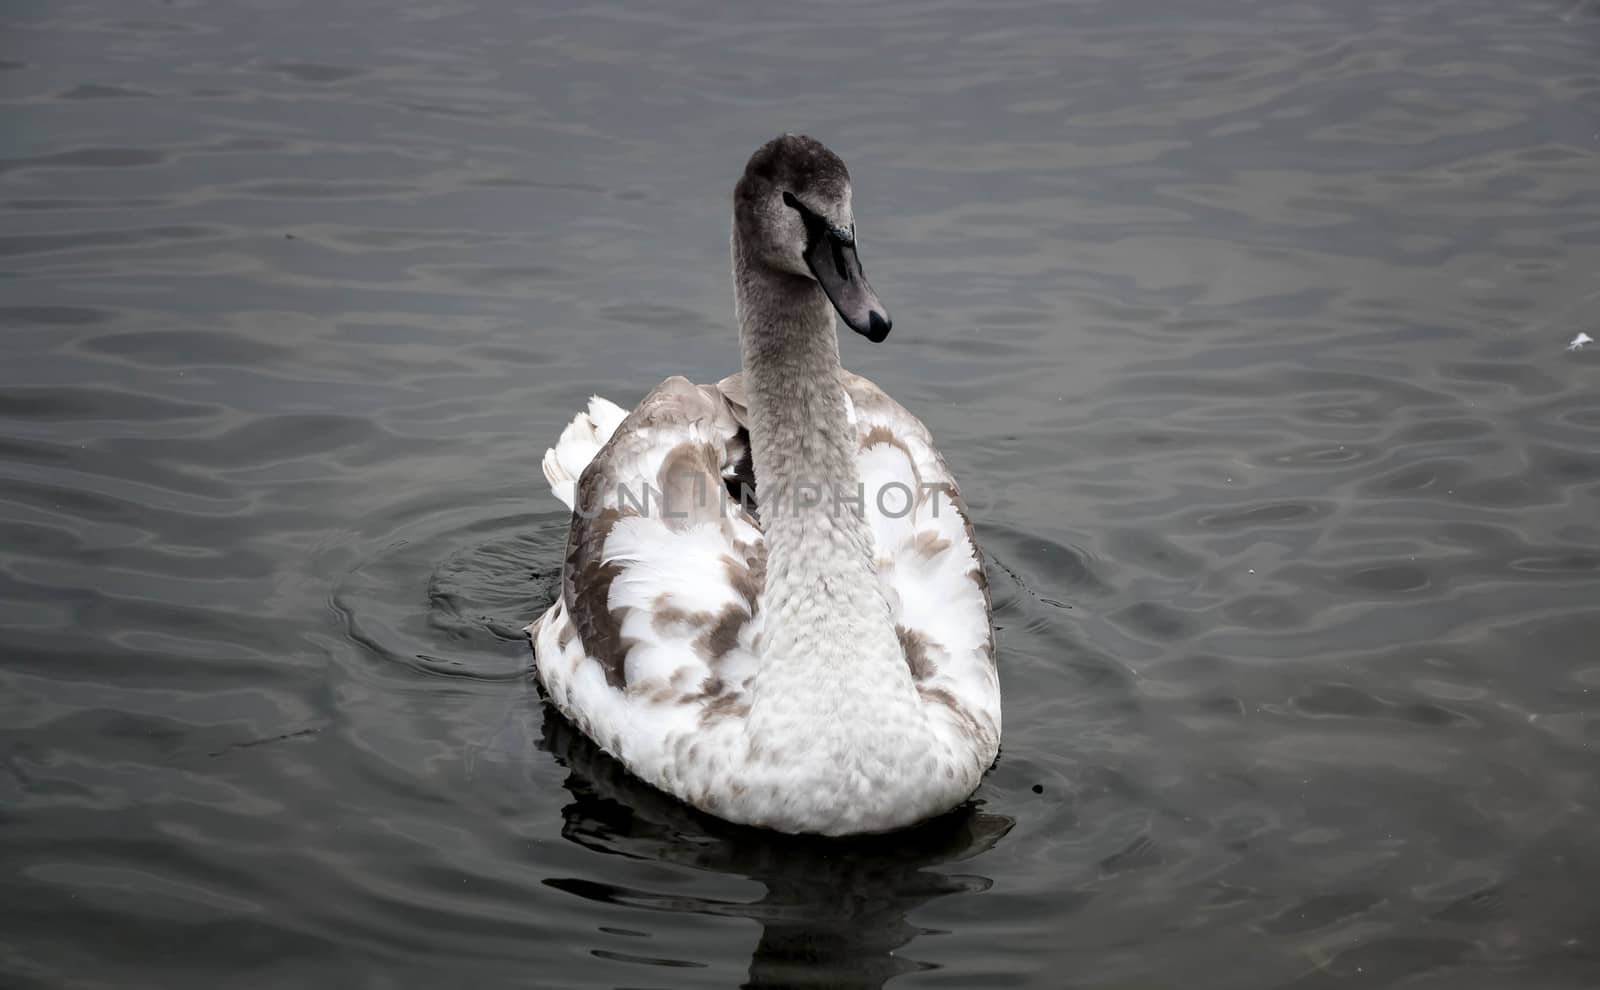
579 442
819 669
671 576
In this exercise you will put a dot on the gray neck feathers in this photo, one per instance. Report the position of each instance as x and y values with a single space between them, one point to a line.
819 549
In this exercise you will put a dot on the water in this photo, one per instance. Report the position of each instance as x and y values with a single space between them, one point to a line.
1243 325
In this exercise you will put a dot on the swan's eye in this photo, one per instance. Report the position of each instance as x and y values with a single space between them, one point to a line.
793 202
815 225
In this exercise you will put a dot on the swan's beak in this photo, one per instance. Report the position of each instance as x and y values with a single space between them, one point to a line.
831 257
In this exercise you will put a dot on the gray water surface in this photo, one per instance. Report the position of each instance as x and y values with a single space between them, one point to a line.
1243 325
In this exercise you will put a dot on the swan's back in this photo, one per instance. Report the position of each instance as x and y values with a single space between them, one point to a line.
653 645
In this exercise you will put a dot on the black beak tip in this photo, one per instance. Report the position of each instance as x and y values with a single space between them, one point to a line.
878 326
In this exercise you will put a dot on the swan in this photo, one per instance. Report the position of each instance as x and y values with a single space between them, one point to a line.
772 604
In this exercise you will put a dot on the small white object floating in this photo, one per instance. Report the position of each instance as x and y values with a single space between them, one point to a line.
1579 341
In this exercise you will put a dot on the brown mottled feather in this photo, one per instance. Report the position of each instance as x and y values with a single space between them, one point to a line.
688 487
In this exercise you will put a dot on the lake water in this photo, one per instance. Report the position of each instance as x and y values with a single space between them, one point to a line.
1243 324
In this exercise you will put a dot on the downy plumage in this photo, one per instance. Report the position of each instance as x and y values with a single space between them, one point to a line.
817 659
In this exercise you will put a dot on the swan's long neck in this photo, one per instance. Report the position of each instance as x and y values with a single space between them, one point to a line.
836 727
826 610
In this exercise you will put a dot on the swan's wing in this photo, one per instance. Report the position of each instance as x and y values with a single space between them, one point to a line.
928 560
654 633
579 442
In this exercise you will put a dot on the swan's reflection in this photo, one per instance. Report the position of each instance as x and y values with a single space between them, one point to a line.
835 910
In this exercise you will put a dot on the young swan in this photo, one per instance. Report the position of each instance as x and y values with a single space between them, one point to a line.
818 658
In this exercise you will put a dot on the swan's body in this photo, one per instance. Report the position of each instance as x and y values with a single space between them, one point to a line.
821 661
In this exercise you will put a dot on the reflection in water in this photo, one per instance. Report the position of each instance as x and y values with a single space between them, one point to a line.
835 910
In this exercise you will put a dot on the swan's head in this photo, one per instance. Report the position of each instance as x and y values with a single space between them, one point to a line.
791 213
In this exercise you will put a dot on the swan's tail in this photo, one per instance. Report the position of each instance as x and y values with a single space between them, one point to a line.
580 441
